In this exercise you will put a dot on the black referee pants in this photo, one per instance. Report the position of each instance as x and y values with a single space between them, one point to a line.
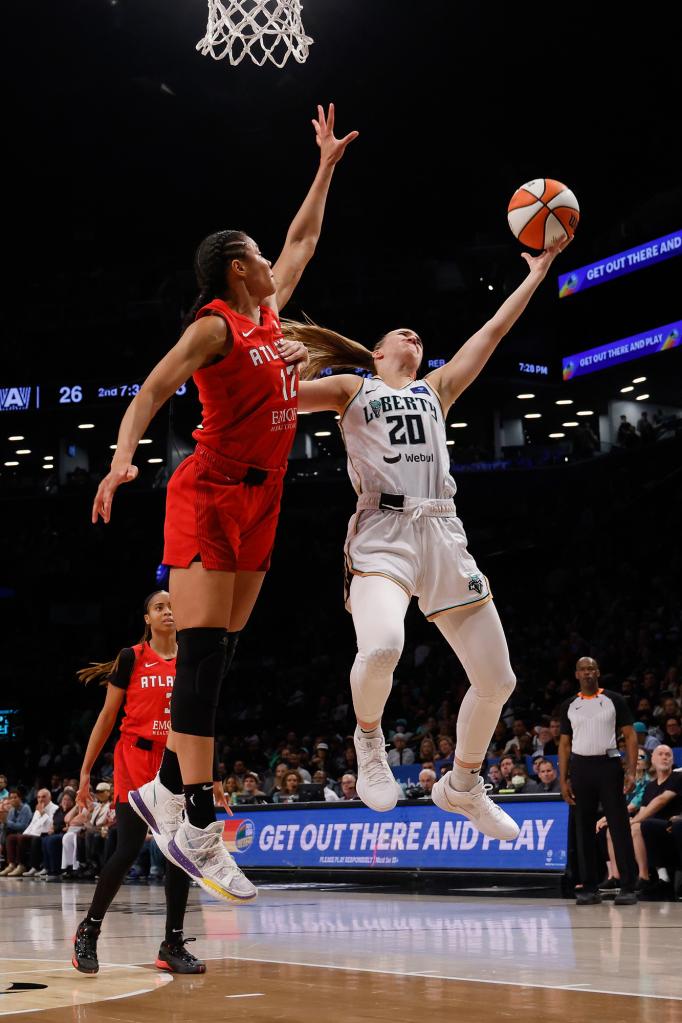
598 780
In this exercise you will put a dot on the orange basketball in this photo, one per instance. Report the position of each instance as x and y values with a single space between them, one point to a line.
542 212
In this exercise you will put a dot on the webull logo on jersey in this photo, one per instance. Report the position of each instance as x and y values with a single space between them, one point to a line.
398 403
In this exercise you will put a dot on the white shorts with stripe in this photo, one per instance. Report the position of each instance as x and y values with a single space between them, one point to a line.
422 548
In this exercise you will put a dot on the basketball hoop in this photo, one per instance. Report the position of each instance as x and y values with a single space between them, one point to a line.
261 29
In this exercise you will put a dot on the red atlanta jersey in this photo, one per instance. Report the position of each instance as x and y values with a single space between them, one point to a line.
249 398
148 680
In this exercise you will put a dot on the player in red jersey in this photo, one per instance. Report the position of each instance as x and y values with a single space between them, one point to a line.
140 681
223 501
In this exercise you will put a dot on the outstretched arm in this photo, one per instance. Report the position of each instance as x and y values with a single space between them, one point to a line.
455 376
100 733
330 394
199 344
305 228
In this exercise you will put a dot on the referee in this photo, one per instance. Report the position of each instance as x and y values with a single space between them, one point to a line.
591 772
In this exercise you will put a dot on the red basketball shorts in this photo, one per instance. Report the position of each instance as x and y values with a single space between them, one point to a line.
229 525
133 766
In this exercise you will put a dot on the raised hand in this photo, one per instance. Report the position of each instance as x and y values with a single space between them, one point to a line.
331 148
293 352
541 264
107 488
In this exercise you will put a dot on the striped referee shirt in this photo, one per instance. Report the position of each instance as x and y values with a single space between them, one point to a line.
593 722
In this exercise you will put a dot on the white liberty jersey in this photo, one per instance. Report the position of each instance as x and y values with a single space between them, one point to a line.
395 440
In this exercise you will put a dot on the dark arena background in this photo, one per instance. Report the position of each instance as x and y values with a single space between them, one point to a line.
124 147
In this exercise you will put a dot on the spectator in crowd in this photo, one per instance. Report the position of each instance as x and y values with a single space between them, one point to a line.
498 741
646 429
401 752
446 748
521 783
277 780
295 763
321 759
232 788
667 708
551 747
662 801
4 792
428 727
506 766
75 820
541 737
348 786
627 435
494 777
289 790
321 778
672 732
52 839
349 761
239 772
17 820
520 736
644 740
251 791
25 849
92 839
427 749
644 711
56 788
548 778
426 781
585 441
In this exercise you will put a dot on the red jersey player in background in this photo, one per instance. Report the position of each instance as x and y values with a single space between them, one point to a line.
223 501
140 681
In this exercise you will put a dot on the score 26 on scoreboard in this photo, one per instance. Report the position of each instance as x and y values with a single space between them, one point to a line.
20 398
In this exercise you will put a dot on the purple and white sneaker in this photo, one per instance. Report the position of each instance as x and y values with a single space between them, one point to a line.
160 808
202 854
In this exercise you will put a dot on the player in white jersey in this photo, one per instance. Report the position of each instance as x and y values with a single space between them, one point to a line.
405 540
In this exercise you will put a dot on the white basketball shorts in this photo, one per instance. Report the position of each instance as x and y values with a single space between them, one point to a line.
422 548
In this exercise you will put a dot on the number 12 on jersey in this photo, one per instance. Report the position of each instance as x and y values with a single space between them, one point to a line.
290 372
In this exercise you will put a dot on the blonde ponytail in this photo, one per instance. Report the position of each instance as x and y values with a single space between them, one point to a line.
327 349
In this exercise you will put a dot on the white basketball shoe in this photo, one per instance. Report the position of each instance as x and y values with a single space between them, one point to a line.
488 817
376 784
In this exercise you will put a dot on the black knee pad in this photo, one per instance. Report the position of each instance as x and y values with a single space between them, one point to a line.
202 655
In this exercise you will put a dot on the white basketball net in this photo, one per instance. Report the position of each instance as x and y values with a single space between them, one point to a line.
261 29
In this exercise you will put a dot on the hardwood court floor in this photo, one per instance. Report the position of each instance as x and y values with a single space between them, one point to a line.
302 951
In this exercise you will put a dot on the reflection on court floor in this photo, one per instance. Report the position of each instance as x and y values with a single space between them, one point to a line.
490 947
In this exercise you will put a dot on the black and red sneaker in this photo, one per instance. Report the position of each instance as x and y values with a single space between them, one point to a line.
85 948
175 958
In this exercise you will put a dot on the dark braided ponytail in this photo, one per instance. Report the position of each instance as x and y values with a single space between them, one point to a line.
103 670
211 259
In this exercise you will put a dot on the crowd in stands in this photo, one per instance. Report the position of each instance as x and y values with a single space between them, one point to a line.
43 834
584 560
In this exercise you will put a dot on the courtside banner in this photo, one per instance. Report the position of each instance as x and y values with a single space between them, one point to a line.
622 263
414 835
660 339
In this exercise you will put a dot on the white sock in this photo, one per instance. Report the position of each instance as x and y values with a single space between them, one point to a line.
463 779
664 875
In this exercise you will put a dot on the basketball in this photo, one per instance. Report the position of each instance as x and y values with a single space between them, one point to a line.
542 212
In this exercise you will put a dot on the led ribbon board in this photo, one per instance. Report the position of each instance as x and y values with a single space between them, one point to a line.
622 263
658 340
